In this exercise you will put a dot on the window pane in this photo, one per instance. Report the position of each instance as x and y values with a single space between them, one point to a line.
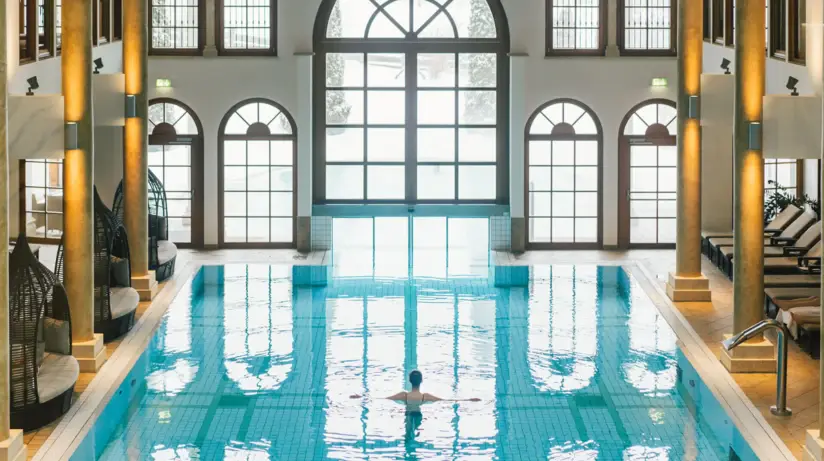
436 70
478 70
344 182
436 145
476 183
281 204
344 144
386 107
344 107
477 145
344 69
386 144
436 107
234 230
281 230
478 107
436 182
386 70
385 182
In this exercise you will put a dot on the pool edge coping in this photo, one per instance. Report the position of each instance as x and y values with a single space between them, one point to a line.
85 411
747 418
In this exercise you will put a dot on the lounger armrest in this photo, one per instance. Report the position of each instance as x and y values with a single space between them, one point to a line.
782 241
811 264
794 251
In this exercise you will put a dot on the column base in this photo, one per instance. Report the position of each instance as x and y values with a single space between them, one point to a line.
612 51
751 357
814 447
90 355
146 286
209 51
688 289
13 449
518 235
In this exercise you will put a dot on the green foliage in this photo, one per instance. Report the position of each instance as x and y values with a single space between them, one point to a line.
337 109
781 199
480 106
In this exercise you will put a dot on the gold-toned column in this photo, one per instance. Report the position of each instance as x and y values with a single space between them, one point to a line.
78 182
748 258
11 441
687 283
135 152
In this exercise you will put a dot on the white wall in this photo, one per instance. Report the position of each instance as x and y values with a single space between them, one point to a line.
777 71
610 86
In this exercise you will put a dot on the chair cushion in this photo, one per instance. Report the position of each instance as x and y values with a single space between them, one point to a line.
58 336
57 374
792 293
166 251
124 300
119 269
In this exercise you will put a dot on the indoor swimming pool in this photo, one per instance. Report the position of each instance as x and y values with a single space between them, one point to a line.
258 363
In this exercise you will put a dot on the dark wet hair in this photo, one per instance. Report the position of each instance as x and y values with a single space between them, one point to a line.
415 378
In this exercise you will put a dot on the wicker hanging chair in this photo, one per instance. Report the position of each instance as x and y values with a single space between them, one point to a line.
162 252
42 370
115 301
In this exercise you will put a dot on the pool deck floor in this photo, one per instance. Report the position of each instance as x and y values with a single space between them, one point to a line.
711 320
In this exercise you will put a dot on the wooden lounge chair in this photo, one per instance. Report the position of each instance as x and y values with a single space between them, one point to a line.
778 224
722 249
794 280
804 324
785 298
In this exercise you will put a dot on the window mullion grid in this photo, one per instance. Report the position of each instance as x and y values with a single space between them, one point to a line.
574 190
457 142
411 128
365 126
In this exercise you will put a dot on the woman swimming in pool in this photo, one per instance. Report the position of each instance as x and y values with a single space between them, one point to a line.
415 397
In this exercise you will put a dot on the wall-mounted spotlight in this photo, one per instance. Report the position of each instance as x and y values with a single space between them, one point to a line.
725 64
98 64
792 84
131 106
33 85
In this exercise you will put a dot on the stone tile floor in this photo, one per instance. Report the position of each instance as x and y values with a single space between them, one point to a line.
710 320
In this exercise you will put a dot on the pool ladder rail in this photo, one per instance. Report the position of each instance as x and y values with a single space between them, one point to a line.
780 407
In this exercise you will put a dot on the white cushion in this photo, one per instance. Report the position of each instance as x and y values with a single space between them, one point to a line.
57 374
124 301
166 251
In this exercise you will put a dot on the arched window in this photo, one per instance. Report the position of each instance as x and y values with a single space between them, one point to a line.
411 99
257 156
176 158
646 27
648 177
564 176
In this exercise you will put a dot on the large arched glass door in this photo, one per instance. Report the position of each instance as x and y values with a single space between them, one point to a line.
411 102
563 177
648 176
176 158
257 149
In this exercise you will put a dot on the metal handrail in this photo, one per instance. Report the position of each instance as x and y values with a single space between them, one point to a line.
780 407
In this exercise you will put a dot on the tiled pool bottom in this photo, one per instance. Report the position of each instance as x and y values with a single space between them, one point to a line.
577 365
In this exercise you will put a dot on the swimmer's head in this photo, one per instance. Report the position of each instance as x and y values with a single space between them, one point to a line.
415 378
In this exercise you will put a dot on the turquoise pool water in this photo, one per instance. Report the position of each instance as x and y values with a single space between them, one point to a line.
571 363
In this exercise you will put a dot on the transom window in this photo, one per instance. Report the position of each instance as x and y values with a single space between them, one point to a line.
646 27
575 27
41 200
176 27
257 152
412 107
247 26
564 176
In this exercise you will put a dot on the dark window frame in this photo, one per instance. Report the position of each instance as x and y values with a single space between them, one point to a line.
729 23
708 18
30 38
24 188
550 50
719 21
599 138
201 35
117 20
411 48
620 21
777 39
101 22
272 50
222 137
797 38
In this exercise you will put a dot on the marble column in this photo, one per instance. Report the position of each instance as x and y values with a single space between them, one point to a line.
78 183
135 143
11 440
688 283
517 124
303 119
758 355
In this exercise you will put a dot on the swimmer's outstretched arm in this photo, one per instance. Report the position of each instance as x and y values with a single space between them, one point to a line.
398 396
